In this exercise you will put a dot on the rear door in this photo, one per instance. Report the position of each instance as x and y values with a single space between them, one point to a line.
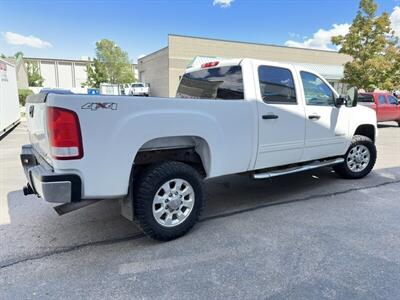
326 125
383 108
280 116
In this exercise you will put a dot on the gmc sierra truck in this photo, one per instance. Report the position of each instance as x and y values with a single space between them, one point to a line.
244 116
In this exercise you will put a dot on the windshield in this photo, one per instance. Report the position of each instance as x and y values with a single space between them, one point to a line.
137 85
215 83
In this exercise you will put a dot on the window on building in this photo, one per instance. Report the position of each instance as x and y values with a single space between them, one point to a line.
382 99
276 85
365 98
215 83
316 91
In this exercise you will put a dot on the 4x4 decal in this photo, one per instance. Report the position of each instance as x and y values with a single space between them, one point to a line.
100 105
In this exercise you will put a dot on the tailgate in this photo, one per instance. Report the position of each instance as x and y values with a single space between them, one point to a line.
37 128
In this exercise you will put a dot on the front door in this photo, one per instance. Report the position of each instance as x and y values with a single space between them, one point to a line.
281 118
394 108
326 125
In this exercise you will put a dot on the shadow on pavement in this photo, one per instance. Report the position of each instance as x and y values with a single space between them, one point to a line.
36 228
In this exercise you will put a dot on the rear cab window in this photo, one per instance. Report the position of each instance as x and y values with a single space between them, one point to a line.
365 98
222 83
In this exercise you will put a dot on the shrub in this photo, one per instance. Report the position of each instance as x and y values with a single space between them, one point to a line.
22 94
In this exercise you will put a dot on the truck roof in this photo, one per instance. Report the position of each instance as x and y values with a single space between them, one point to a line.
238 61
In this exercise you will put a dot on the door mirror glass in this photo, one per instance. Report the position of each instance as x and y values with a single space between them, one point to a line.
352 97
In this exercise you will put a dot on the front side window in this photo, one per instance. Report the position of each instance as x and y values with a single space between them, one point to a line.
316 91
382 99
276 85
216 83
393 100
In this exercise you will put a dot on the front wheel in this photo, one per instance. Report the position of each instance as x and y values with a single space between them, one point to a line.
168 200
359 159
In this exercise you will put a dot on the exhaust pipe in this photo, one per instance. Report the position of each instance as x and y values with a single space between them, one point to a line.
28 190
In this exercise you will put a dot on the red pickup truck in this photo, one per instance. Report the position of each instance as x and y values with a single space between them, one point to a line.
386 105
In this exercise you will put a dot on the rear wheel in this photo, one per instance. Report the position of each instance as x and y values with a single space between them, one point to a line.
168 200
359 159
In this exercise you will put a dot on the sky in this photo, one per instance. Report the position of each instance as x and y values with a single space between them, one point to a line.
69 29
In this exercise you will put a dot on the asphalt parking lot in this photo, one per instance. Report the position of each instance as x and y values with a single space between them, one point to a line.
304 236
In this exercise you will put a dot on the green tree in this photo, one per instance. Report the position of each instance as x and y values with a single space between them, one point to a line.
96 74
19 54
34 77
111 65
371 44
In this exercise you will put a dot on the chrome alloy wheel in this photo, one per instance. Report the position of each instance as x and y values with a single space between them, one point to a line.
358 158
173 202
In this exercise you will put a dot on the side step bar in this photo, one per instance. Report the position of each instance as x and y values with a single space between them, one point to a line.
296 169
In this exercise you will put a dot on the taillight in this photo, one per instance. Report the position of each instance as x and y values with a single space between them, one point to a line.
210 64
64 133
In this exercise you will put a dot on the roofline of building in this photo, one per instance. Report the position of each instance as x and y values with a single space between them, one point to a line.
152 53
251 43
57 59
62 59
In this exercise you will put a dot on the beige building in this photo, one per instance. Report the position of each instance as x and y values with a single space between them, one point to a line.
163 68
64 73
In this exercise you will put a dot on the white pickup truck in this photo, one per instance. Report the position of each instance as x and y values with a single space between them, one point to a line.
233 116
137 89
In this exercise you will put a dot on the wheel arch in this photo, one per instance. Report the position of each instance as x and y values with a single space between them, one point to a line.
367 130
193 150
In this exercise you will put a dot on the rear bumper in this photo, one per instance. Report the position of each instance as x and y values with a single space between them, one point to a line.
52 187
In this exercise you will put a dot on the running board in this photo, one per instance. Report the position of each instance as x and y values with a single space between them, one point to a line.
291 170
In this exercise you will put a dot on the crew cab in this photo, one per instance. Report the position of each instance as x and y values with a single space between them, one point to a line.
386 105
246 116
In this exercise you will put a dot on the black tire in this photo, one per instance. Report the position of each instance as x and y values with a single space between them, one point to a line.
343 169
146 185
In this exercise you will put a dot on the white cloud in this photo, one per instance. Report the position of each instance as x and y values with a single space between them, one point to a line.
19 39
395 20
223 3
322 38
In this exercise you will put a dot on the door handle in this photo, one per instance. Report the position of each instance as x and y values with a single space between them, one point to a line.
270 117
314 117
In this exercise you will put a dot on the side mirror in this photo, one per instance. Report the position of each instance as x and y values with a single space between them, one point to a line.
339 101
352 97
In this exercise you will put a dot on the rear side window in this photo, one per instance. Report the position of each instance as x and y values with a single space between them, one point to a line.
382 99
365 98
216 83
276 85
